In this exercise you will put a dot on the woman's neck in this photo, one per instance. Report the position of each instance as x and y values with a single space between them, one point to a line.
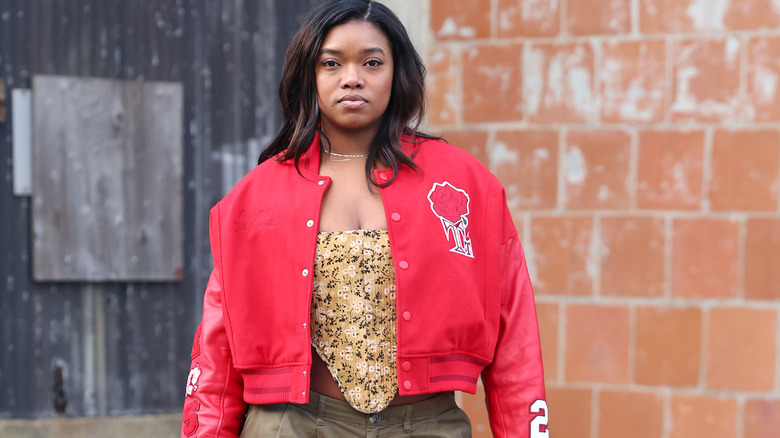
346 142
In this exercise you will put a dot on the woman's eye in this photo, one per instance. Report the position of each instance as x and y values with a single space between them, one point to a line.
329 63
374 63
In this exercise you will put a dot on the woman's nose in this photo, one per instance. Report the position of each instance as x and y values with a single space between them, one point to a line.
352 78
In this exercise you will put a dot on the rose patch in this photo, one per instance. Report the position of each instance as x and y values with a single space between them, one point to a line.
451 205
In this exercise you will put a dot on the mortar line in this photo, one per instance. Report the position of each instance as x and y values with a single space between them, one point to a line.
741 257
595 411
562 327
740 417
704 347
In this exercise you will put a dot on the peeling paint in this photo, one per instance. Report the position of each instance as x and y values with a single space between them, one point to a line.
592 261
438 56
539 11
636 95
533 79
732 50
563 83
506 19
680 180
684 100
450 28
575 165
580 89
541 154
708 14
619 14
501 154
604 193
764 85
500 75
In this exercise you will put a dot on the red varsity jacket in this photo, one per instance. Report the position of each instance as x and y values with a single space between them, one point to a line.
464 299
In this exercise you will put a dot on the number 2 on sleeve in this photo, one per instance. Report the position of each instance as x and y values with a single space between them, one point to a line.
539 424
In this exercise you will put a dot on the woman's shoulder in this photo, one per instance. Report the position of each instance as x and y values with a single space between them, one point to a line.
259 180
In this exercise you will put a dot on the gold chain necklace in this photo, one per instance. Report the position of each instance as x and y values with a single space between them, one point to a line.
346 157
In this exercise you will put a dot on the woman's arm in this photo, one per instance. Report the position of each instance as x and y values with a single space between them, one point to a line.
514 382
214 405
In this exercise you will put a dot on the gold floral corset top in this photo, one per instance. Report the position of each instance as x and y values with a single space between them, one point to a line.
353 315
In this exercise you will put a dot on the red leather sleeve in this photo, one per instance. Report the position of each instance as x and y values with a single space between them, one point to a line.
514 382
214 406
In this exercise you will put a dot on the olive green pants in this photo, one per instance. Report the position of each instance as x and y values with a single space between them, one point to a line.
325 417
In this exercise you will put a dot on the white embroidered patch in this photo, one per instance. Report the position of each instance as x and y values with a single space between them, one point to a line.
451 205
192 380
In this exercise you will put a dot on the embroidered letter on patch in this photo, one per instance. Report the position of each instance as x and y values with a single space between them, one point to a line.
190 418
192 379
451 205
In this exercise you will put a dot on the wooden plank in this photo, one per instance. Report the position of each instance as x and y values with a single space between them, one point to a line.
107 180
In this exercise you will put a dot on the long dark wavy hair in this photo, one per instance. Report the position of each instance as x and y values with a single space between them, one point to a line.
298 87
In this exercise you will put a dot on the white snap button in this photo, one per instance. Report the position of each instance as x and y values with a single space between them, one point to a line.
309 223
305 272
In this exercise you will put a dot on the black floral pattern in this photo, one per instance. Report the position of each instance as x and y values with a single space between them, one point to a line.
353 315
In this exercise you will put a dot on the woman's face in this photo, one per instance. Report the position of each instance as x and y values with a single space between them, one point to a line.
354 78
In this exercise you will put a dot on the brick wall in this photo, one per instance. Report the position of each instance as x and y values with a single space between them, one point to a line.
639 144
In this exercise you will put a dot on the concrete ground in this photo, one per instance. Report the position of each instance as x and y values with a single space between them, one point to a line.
147 426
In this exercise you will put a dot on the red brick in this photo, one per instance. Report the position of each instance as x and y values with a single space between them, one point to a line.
632 256
472 141
671 167
528 18
745 170
493 84
559 83
762 419
547 314
668 346
589 17
751 14
597 343
763 75
630 414
706 80
741 349
597 169
526 163
562 257
762 256
474 407
633 85
443 95
460 20
669 16
704 258
702 416
680 16
570 412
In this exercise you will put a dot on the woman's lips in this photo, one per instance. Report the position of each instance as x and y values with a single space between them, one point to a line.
353 101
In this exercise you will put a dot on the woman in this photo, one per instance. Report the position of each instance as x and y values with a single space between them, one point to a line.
363 271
